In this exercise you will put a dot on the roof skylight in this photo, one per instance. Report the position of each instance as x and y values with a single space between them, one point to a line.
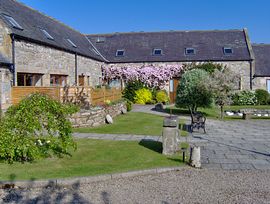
13 22
157 52
47 34
120 53
72 43
190 51
227 50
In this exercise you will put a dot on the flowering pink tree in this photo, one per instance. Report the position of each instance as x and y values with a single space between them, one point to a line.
150 75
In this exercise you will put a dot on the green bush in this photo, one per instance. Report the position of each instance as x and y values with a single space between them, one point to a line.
129 105
244 98
143 96
209 67
162 97
192 92
263 96
131 88
36 128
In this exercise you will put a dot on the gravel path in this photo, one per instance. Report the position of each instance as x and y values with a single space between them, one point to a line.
185 186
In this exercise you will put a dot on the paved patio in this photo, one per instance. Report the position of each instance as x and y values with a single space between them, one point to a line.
236 144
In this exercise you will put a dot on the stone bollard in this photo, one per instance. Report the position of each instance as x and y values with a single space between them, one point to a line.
170 141
195 157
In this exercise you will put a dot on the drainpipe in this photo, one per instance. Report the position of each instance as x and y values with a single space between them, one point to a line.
13 70
251 62
76 70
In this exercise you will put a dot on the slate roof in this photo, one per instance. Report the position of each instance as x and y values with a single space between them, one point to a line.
31 21
3 60
139 46
262 59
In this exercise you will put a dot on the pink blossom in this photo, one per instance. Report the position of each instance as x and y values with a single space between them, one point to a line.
150 75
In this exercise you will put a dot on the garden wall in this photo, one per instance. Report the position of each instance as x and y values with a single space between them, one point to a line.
96 116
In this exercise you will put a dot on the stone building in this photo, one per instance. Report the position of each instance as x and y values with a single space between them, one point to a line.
227 47
37 50
262 65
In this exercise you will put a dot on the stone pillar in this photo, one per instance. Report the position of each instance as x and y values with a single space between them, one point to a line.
195 157
170 135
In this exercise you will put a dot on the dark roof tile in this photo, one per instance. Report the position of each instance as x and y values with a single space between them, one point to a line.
262 59
139 46
32 21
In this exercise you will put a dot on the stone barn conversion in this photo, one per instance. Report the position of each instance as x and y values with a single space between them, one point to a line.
262 64
39 51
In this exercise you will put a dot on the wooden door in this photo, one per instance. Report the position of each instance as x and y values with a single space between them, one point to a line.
173 88
81 80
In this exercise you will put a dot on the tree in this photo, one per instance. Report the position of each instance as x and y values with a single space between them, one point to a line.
222 84
209 67
193 92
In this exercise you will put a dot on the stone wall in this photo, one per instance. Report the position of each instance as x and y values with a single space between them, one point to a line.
260 83
91 70
34 58
240 68
5 87
5 41
96 116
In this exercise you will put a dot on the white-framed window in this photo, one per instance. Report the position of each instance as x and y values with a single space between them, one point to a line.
157 51
120 53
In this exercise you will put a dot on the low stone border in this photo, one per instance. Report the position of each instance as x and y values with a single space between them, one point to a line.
83 180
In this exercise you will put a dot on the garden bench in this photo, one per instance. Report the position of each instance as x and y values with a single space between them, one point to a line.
197 121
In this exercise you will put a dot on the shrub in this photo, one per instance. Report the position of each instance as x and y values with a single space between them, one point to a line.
36 128
192 92
143 96
131 88
244 98
209 67
129 105
262 96
162 97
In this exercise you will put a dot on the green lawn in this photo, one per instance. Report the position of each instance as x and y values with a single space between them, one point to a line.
133 123
130 123
214 112
94 157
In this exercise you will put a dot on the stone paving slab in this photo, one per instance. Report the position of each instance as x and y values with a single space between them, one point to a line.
232 145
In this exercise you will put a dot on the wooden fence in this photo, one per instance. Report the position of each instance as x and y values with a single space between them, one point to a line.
78 95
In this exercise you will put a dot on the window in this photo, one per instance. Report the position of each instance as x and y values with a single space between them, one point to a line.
28 79
157 52
190 51
58 80
47 35
72 43
12 22
100 39
227 50
120 53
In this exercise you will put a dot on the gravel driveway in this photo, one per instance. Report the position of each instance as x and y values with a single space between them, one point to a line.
184 186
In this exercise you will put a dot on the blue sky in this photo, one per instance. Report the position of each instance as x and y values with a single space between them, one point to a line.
106 16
